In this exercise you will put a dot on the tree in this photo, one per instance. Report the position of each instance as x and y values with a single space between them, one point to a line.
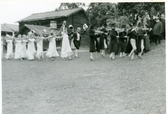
70 5
98 13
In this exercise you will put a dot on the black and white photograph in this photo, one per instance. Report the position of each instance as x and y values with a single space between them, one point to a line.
83 57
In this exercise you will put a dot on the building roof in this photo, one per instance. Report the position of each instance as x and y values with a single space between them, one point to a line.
38 29
51 14
9 28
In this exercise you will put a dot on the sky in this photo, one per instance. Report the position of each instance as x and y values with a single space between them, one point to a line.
11 12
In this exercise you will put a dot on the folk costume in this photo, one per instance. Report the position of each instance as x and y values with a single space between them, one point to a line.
24 47
92 41
123 38
77 40
113 42
140 42
18 48
66 48
9 41
52 50
131 46
31 47
103 43
39 53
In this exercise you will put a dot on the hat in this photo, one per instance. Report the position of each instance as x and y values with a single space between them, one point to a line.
70 26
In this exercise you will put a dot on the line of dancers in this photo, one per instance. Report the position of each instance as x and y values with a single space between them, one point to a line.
24 51
127 39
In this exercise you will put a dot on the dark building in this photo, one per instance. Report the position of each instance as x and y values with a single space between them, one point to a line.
75 17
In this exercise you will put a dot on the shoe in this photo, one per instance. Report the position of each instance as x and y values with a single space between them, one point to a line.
91 58
69 58
76 55
139 56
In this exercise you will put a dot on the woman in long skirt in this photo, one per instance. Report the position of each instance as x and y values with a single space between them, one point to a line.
23 47
113 41
31 48
9 41
66 51
18 47
52 50
92 36
39 53
103 42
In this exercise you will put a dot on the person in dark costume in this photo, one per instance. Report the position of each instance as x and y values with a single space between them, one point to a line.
77 39
113 41
131 47
103 41
140 40
92 41
123 41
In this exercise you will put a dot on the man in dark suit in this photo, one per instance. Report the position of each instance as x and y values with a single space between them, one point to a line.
77 39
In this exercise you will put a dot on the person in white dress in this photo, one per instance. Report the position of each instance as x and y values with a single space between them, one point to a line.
52 50
9 41
17 42
31 47
23 46
66 51
39 54
2 43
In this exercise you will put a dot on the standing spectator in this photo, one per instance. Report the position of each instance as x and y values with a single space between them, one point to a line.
163 26
157 30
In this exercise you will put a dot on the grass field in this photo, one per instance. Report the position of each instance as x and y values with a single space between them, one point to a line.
81 86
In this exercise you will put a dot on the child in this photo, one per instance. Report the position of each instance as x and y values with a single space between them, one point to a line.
9 41
18 47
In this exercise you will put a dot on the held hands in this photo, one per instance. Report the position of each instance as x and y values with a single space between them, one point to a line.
117 36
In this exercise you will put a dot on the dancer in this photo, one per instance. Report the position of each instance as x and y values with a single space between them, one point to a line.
9 41
31 48
18 47
92 42
39 40
66 51
77 38
113 41
140 40
123 40
103 40
52 50
132 42
23 47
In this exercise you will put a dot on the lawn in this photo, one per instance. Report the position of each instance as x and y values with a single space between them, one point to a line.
81 86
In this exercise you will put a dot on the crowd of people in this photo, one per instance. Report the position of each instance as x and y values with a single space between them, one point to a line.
129 39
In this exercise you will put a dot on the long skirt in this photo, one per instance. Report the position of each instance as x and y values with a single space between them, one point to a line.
66 48
31 51
39 53
23 49
147 43
9 50
92 43
17 50
113 46
52 51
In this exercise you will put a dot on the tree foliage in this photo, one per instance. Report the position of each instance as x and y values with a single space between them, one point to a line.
70 5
